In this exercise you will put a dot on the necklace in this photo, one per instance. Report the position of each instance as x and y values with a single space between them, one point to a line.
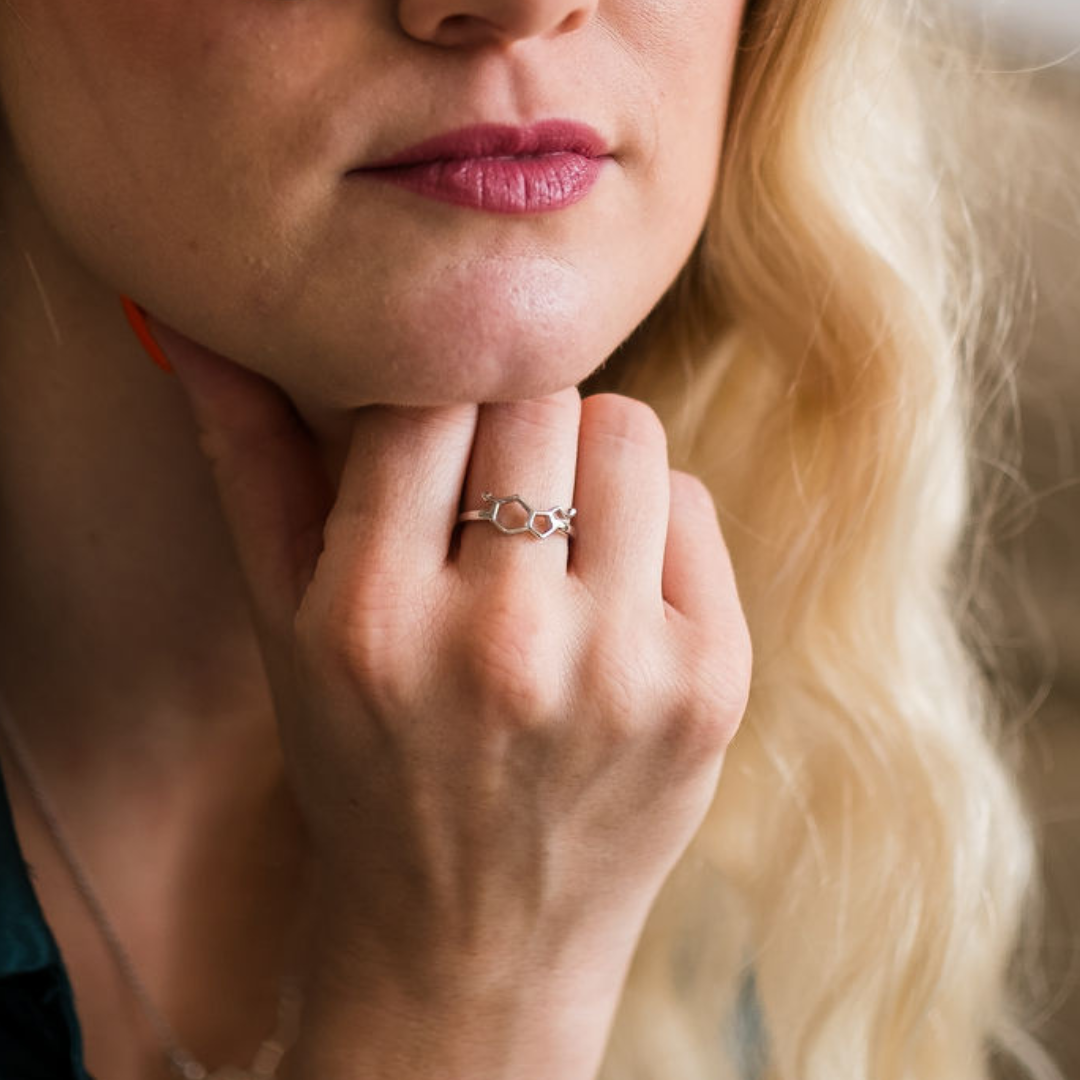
183 1064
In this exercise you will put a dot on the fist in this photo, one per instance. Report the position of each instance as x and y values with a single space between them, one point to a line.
501 745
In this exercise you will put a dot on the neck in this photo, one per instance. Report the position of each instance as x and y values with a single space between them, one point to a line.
124 634
130 667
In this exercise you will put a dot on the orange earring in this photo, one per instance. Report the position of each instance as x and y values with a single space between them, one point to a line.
136 318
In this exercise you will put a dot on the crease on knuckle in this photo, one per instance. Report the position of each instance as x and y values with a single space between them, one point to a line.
716 690
359 641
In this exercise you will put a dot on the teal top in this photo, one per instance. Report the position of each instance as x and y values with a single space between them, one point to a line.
39 1032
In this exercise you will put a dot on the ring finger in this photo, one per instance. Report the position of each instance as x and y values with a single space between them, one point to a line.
528 449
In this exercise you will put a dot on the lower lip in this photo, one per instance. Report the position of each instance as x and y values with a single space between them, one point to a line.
504 185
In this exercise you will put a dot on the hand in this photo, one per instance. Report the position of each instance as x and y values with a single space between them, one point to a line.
501 746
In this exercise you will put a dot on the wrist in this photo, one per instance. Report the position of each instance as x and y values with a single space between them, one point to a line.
481 1013
532 1027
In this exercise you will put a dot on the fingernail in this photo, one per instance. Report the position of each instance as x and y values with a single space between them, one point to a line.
136 318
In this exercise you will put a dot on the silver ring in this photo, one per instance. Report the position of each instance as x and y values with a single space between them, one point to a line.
540 523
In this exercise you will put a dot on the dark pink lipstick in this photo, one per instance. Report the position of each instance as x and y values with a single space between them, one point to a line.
499 168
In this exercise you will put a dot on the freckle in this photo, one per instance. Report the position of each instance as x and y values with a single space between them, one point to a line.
194 246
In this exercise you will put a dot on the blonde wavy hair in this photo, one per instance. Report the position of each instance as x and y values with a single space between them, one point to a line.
850 907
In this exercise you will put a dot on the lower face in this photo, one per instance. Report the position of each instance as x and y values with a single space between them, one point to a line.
211 158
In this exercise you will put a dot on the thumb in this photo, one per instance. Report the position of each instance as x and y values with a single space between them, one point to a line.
271 482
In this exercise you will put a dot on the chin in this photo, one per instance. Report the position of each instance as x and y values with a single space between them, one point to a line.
507 368
495 334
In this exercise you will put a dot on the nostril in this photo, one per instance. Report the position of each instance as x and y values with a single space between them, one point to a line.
495 22
574 21
465 30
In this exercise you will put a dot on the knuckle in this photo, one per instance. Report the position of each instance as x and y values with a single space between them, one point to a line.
507 663
624 420
727 681
734 673
692 493
511 695
715 695
359 637
704 734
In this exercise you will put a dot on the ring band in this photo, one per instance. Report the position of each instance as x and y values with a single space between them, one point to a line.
539 523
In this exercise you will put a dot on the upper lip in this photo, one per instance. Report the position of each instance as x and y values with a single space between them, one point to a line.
501 140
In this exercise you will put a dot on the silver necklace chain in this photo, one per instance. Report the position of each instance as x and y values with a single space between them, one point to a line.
184 1065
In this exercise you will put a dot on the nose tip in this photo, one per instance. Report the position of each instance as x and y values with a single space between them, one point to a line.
451 23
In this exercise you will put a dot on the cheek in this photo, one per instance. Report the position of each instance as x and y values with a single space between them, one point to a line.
688 50
156 41
691 62
88 53
131 66
133 118
89 89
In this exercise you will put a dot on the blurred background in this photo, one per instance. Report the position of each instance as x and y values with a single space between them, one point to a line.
1043 21
1039 590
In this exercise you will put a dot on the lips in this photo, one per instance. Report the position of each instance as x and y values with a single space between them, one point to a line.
499 168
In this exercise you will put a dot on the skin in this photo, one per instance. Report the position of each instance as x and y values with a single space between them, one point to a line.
229 696
211 143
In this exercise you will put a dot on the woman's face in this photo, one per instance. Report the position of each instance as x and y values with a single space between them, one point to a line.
212 158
